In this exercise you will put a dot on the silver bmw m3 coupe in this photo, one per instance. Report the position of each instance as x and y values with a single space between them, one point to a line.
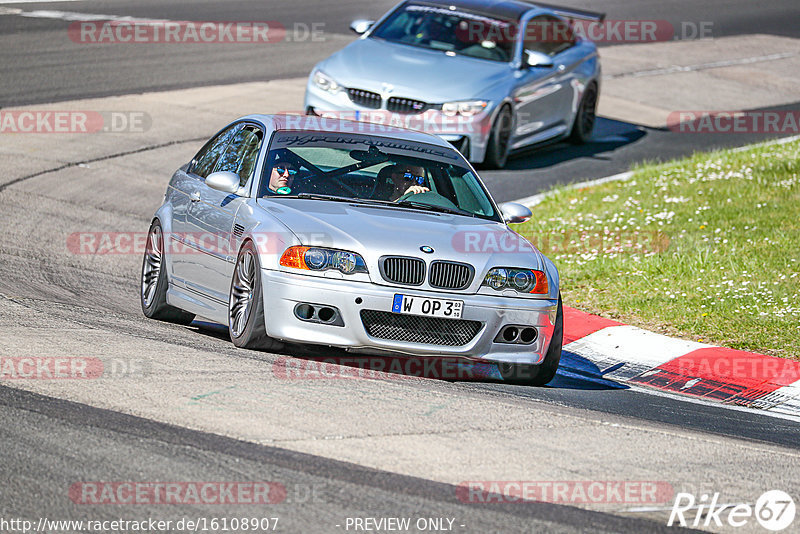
353 235
490 76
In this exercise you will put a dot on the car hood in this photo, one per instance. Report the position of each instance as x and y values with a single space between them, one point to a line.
375 231
418 73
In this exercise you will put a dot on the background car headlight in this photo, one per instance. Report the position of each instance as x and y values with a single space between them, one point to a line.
521 280
325 82
466 108
322 259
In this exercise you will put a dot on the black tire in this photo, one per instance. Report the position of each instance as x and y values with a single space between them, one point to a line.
497 148
246 321
154 283
538 375
586 117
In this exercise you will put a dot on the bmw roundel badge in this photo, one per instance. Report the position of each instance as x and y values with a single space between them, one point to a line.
426 249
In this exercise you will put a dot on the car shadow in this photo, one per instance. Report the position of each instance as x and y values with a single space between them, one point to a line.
577 372
313 362
608 136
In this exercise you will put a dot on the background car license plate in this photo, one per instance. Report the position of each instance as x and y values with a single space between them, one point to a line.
413 305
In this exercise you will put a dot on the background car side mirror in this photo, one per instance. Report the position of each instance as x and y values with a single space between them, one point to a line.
537 59
360 26
225 181
515 213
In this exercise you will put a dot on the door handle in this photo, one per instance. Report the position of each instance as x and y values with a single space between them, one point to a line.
195 196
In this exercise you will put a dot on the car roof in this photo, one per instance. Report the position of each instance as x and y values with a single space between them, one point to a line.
314 123
504 9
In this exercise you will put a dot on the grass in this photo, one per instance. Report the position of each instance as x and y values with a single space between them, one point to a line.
706 248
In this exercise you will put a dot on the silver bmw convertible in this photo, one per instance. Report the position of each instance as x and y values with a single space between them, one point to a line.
490 76
373 239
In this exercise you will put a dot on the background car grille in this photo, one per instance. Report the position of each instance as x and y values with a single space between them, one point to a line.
406 105
406 271
450 275
367 99
417 329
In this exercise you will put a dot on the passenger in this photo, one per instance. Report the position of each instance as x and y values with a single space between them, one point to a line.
281 178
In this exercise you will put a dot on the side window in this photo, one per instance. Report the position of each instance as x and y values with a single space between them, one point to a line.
241 154
548 35
468 193
205 160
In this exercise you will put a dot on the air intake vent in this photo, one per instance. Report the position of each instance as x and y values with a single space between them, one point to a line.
238 230
418 329
400 270
367 99
406 105
450 275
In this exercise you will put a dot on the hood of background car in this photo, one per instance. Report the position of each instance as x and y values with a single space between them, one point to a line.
414 72
380 231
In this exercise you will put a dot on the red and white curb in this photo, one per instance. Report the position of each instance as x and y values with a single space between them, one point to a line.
603 349
595 347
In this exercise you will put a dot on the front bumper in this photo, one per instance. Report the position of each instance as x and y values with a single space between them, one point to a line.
469 135
284 291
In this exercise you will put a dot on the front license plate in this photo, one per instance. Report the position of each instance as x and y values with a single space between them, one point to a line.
413 305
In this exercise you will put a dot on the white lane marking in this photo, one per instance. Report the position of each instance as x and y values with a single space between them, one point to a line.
701 66
533 200
5 2
76 16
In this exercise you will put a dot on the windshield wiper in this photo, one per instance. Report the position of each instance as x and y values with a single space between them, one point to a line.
336 198
319 196
432 207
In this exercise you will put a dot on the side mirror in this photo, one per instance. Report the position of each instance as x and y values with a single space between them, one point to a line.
537 59
515 213
225 181
360 26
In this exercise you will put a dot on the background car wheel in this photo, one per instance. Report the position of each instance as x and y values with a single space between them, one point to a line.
246 323
538 375
153 292
497 149
586 117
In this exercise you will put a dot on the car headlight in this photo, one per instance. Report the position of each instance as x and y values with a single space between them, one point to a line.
465 108
521 280
325 82
322 259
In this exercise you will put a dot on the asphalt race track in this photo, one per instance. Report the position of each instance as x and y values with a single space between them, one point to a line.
190 407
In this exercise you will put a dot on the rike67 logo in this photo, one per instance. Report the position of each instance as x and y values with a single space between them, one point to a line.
774 510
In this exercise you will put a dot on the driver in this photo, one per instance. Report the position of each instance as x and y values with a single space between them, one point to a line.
281 178
403 179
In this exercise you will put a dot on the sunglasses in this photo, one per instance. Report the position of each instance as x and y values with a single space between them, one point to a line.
410 177
283 169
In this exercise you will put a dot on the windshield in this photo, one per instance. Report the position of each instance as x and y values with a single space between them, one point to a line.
456 31
373 170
